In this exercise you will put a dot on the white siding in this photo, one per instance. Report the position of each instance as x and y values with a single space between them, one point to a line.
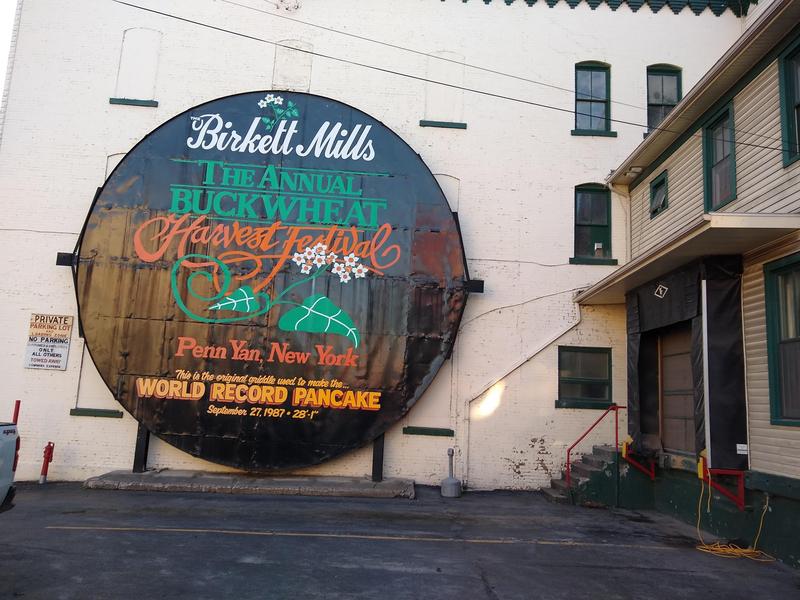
763 185
684 198
773 449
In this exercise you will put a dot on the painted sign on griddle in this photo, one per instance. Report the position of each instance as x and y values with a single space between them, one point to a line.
270 279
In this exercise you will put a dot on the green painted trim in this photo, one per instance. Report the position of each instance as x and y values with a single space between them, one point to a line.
586 404
133 102
723 101
786 87
606 238
593 133
716 7
771 272
96 412
663 69
443 124
435 431
593 65
724 113
662 178
588 260
591 403
778 485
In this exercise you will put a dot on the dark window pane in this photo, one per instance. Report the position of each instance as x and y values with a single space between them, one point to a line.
583 208
583 84
583 241
670 87
790 379
797 129
794 72
588 365
655 92
658 198
720 182
598 115
718 144
591 207
589 391
598 85
583 119
789 307
656 114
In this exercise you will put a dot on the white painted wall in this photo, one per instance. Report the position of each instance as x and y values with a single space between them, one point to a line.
512 173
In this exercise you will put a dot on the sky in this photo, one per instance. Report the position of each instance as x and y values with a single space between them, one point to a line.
7 9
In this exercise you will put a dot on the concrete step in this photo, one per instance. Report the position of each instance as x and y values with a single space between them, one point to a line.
581 469
595 461
607 453
561 484
555 496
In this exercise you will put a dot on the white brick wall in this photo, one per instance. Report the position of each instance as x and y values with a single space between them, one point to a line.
516 164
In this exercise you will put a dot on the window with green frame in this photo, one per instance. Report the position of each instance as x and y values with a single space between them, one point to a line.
593 99
592 225
584 377
789 77
719 160
782 298
663 92
659 199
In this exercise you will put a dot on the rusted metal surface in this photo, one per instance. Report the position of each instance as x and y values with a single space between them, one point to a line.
260 306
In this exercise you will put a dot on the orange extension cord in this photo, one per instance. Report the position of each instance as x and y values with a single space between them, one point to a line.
730 550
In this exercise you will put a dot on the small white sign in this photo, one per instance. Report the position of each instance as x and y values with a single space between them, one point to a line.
741 448
48 342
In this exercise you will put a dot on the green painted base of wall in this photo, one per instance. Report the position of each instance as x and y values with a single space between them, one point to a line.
676 493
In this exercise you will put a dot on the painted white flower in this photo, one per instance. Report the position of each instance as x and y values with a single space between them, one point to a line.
338 269
305 269
344 277
269 98
309 253
360 271
278 100
299 259
262 103
320 248
319 260
350 260
331 257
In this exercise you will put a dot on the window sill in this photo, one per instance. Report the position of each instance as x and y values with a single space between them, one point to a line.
443 124
789 160
653 215
590 404
710 209
434 431
590 260
594 132
96 412
784 422
134 102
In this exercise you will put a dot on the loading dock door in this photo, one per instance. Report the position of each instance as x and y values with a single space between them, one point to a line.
677 393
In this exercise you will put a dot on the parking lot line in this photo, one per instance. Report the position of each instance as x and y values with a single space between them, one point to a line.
359 536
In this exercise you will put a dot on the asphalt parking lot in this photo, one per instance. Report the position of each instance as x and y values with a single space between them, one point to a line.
63 542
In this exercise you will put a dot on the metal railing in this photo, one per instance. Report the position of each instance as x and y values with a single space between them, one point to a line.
613 408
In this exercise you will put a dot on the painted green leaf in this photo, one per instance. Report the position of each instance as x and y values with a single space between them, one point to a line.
269 123
318 314
242 300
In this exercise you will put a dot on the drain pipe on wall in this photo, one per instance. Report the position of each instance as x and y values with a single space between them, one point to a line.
486 388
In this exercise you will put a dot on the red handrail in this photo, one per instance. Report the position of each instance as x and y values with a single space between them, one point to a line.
615 408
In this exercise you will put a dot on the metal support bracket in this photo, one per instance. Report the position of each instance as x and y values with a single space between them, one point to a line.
738 497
